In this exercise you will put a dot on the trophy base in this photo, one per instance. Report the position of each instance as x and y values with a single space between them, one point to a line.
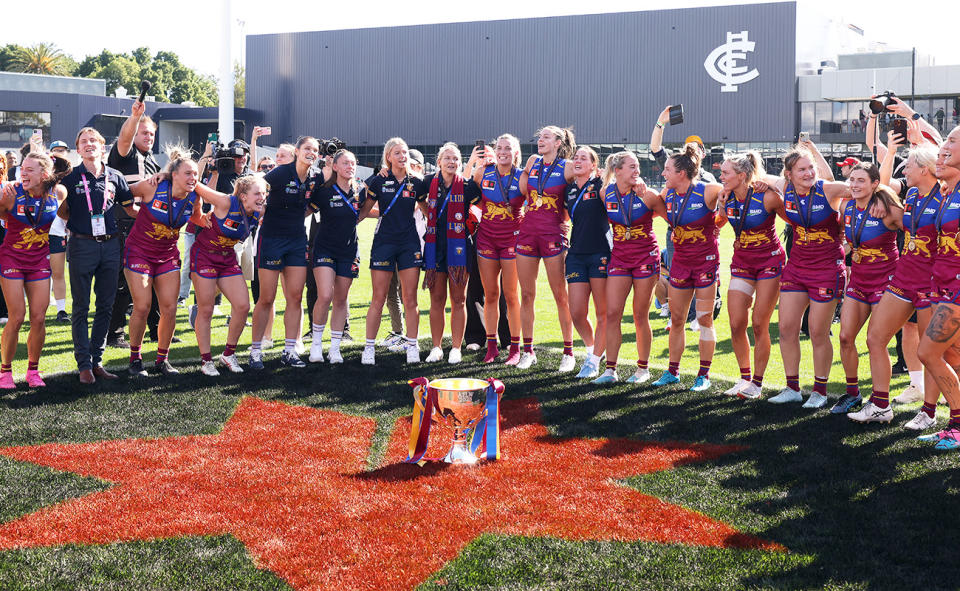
459 454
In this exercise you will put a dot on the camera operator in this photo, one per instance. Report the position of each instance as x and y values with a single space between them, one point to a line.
132 156
889 103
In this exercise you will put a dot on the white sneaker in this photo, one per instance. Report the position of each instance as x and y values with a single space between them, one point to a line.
231 363
737 388
391 340
316 352
299 347
207 368
786 395
871 413
455 357
694 325
526 360
413 354
751 392
910 395
816 400
367 358
473 347
567 363
665 312
921 422
334 355
640 376
266 344
436 354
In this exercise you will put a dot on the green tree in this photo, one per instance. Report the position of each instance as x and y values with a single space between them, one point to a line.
7 52
42 58
239 85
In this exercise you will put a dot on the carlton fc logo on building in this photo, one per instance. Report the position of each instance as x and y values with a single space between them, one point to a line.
722 65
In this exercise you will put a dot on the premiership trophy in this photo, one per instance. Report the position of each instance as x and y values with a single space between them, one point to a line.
466 404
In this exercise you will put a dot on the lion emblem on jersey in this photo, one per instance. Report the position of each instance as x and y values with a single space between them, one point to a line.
683 235
32 238
160 232
498 211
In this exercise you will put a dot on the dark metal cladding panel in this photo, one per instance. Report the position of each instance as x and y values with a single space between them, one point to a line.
608 76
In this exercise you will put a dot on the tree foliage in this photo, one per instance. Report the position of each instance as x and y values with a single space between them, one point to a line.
42 58
172 81
239 85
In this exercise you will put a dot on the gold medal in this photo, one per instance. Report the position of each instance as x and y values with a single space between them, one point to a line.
539 201
912 245
856 256
627 234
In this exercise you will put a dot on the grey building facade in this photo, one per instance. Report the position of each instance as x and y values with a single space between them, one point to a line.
608 76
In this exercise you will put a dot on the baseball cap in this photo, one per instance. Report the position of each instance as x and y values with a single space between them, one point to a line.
416 156
693 139
850 161
58 144
240 144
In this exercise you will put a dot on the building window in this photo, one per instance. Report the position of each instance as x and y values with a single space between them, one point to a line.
16 127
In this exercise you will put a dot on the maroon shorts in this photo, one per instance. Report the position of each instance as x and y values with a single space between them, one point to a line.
496 247
149 266
686 276
632 264
214 264
949 294
920 296
868 292
820 286
543 244
12 272
758 268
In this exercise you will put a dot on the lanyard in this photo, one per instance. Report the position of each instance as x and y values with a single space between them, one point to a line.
626 210
683 206
504 190
805 219
859 223
440 188
396 195
579 198
744 209
542 179
914 215
86 190
346 200
944 205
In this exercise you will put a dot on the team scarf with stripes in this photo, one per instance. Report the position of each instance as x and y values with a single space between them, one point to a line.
455 223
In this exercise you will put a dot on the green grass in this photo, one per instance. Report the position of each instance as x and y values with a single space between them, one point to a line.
857 507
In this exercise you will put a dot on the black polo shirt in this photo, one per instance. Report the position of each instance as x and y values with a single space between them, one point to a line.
129 165
79 220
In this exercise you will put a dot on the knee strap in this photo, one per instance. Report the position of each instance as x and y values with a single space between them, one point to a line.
741 285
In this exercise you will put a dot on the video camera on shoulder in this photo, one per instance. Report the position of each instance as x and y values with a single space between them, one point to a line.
332 146
224 156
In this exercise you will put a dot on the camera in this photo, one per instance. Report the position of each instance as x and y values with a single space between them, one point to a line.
224 156
882 102
332 146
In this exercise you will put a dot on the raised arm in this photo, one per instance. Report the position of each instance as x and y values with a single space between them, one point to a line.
871 137
823 167
886 165
215 198
656 138
129 129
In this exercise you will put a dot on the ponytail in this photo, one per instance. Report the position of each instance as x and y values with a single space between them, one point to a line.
568 143
613 163
54 166
178 155
749 163
688 160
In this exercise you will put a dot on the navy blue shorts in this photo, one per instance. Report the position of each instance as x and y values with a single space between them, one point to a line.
342 266
57 244
581 268
386 256
277 252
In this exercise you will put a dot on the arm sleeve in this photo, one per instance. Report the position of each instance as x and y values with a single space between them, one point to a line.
661 157
124 197
471 192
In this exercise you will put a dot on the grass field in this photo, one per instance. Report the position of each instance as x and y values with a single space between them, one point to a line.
855 507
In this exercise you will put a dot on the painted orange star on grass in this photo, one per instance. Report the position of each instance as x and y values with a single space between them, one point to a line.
290 483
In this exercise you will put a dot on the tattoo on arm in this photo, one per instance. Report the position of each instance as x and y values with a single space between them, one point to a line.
943 325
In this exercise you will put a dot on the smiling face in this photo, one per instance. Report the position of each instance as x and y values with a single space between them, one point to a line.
449 162
345 165
398 156
730 178
803 174
285 155
185 176
308 152
913 172
952 149
90 146
628 174
505 152
583 164
672 176
32 174
547 142
255 197
861 187
146 133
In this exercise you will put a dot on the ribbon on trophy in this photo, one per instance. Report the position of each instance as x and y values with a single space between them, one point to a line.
487 431
424 401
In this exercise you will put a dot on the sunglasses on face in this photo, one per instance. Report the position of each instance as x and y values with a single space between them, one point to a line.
267 167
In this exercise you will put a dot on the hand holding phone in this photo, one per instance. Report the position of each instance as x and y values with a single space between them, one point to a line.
676 114
265 131
899 127
804 136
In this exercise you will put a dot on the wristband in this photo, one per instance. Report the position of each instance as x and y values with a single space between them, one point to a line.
659 125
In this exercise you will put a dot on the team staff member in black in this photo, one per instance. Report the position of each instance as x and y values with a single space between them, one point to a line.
132 156
282 248
95 249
